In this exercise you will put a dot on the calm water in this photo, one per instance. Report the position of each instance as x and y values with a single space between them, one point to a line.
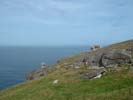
16 62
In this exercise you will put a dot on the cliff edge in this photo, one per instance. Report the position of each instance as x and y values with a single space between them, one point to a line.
101 74
102 58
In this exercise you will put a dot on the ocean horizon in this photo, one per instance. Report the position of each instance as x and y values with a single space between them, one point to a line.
17 61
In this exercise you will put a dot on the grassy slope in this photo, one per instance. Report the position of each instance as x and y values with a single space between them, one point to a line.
123 45
113 86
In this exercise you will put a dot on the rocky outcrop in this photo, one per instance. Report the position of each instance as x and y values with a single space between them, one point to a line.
94 74
116 54
116 57
37 73
95 47
106 59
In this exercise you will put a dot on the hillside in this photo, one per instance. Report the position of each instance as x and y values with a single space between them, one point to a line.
118 46
115 84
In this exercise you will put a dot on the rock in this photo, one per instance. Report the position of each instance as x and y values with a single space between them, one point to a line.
93 60
115 57
43 65
98 76
94 67
108 58
95 47
37 73
73 66
77 67
55 81
68 67
94 74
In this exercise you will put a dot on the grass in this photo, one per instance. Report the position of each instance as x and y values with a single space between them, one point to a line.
117 46
112 86
116 85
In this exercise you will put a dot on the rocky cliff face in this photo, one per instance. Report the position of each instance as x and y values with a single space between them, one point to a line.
108 58
37 73
120 53
116 54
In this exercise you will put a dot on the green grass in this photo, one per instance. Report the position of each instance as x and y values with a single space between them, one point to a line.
112 86
117 46
116 85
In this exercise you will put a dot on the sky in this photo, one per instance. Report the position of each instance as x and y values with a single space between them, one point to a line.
65 22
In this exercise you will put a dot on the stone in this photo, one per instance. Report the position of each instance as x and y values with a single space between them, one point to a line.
93 74
77 67
43 65
55 81
68 67
108 58
37 73
95 47
93 60
98 76
115 57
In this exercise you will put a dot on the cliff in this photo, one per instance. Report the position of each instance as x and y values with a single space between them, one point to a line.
103 74
106 57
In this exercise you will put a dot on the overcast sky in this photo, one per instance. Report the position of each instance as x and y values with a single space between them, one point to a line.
65 22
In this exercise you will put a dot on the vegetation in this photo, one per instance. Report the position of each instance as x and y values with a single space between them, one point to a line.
117 84
118 46
112 86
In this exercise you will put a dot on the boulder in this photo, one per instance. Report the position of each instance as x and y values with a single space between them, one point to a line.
37 73
116 57
55 81
93 60
95 47
94 74
108 58
98 76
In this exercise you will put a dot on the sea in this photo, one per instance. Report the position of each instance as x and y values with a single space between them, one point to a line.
17 61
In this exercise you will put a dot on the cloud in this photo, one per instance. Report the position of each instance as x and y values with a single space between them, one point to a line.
74 12
87 18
